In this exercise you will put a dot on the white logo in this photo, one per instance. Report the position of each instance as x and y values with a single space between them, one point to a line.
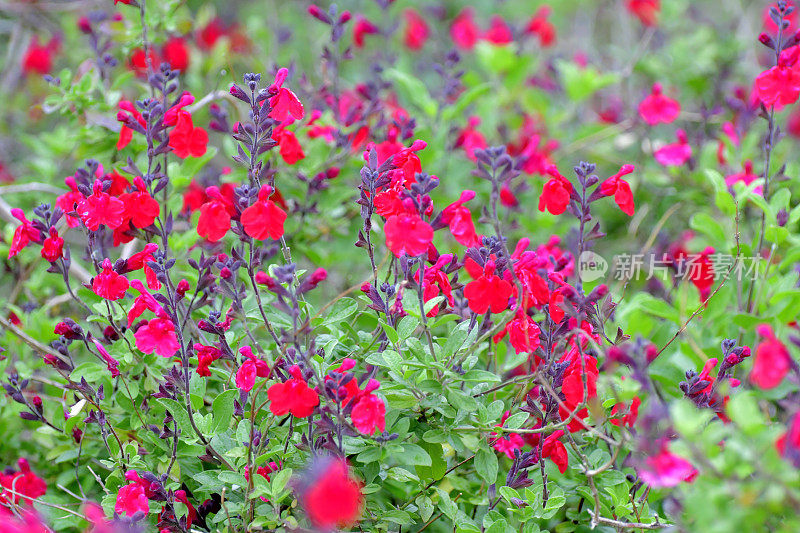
591 266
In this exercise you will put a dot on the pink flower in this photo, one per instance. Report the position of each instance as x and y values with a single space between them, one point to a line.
111 363
463 31
657 108
250 369
362 27
506 442
285 103
746 176
131 499
675 155
666 469
158 336
108 284
498 32
780 85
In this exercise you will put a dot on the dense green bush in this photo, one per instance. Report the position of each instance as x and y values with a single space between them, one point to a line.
399 266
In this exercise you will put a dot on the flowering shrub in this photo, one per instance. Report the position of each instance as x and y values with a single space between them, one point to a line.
406 266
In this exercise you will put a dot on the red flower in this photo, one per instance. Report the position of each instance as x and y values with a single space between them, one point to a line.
145 301
126 133
645 10
362 27
24 482
523 333
138 61
108 284
68 201
24 234
780 85
459 219
39 57
157 335
369 412
470 139
408 234
772 361
264 219
675 155
215 220
186 140
539 25
436 282
350 389
176 53
506 443
656 107
488 292
332 498
556 451
771 27
788 444
140 208
293 396
463 31
101 208
620 189
629 418
666 469
556 193
205 356
289 147
139 261
416 32
132 499
53 246
191 516
498 32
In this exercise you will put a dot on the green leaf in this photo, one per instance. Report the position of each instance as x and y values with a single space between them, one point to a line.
279 481
181 416
486 465
516 420
413 454
413 90
425 506
222 407
342 309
